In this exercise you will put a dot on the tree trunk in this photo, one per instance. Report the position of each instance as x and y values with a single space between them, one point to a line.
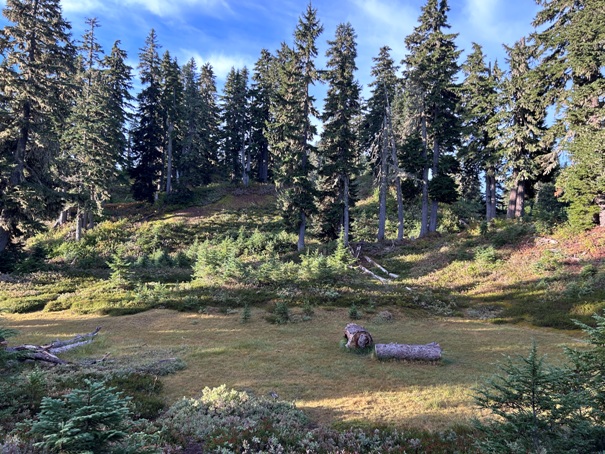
395 163
263 166
79 222
90 224
520 202
301 232
600 201
47 353
62 219
428 352
357 336
435 172
4 239
424 219
345 220
490 194
169 164
512 197
382 197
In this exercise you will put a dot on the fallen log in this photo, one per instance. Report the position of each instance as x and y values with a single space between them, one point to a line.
409 352
357 336
79 340
374 275
47 353
380 267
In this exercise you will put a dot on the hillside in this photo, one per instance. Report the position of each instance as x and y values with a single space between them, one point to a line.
476 293
507 273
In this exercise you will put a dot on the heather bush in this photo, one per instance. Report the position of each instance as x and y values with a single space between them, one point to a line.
224 420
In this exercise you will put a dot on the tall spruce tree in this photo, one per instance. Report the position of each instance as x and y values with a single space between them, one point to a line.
89 160
260 115
338 151
430 71
190 159
571 43
236 125
171 101
375 134
35 82
209 122
118 80
523 135
148 134
292 131
479 152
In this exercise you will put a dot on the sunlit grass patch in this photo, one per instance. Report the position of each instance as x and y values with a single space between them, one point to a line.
303 362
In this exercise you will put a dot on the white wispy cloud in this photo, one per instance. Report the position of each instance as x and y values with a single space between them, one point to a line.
172 8
497 21
161 8
82 6
221 63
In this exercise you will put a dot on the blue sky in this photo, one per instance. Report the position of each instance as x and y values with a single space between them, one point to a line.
232 32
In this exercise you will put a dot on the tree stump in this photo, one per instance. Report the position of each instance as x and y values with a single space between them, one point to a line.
357 336
427 352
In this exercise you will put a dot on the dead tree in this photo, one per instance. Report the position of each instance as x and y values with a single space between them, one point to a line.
47 353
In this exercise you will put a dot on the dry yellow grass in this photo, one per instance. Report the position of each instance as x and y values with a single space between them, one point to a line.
303 362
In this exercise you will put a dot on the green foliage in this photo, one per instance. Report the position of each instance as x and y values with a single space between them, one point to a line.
354 313
121 272
281 313
5 334
224 420
486 256
537 415
548 409
510 234
548 211
246 313
86 419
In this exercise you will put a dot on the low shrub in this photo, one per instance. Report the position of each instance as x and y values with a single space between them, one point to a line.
225 420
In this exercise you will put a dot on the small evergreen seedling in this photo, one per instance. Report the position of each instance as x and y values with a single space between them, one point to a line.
87 420
120 269
354 313
282 313
246 313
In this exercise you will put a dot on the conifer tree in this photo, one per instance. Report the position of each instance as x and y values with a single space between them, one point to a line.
171 103
208 139
338 152
190 160
430 70
523 135
118 81
38 59
260 115
236 125
88 160
292 131
480 153
148 133
571 43
376 132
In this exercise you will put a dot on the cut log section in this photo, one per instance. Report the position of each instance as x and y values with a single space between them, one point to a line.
409 352
357 336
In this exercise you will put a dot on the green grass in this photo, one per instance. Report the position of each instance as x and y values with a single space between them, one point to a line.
303 362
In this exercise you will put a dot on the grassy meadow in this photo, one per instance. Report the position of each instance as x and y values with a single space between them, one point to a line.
175 283
304 362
